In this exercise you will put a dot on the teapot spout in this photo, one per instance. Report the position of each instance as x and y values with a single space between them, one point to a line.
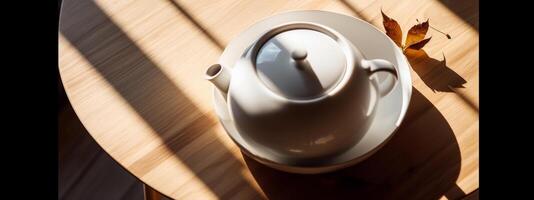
220 77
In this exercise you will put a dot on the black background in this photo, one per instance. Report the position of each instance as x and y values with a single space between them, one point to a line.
29 94
506 82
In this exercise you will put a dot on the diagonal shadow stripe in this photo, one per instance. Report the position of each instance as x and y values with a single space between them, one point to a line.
152 95
197 24
467 10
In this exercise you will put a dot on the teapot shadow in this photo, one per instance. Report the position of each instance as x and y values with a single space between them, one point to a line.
421 161
434 73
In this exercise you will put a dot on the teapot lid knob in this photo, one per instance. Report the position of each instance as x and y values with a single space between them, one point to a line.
300 61
299 54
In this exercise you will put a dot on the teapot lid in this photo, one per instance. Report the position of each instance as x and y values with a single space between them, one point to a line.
300 61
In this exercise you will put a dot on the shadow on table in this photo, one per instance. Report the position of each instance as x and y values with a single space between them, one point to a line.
421 161
182 10
437 75
156 99
467 10
434 73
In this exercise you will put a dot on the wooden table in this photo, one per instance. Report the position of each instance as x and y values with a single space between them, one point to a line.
133 73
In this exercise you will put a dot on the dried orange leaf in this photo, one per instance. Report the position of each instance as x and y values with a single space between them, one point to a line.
416 33
419 45
393 29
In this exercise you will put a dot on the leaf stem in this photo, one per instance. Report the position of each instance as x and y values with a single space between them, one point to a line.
446 34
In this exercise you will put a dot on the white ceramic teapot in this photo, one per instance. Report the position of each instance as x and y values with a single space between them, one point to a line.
301 91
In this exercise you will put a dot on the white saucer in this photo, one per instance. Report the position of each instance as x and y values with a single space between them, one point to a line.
373 43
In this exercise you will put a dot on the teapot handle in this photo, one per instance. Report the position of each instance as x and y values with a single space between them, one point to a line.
381 65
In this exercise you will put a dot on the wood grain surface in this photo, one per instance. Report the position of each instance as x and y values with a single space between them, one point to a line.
133 73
